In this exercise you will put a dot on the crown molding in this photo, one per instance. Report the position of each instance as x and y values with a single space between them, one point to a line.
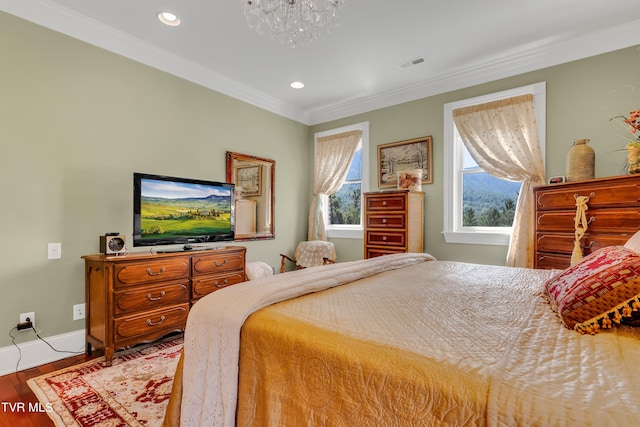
72 24
548 54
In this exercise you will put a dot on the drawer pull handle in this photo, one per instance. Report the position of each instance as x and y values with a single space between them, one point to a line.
151 273
384 238
591 195
219 265
589 221
150 323
220 285
384 220
589 246
150 298
384 203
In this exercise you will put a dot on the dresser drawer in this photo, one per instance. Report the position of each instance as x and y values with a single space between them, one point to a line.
152 322
619 220
386 202
615 194
374 252
613 216
151 297
205 285
393 222
389 220
386 238
555 242
160 269
593 242
562 243
550 261
208 264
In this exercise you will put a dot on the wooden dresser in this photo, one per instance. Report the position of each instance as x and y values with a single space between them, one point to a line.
613 216
393 222
142 297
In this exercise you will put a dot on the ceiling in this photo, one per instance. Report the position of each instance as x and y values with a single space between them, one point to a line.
357 67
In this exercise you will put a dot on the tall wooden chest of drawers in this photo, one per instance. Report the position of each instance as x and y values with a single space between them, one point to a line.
613 216
142 297
393 222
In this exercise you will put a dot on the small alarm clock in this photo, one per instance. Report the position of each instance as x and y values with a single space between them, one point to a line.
112 244
557 179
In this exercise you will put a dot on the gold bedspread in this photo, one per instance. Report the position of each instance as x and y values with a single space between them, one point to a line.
436 343
396 349
296 374
212 337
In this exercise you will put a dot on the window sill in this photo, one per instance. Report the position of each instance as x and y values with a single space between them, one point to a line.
352 233
477 238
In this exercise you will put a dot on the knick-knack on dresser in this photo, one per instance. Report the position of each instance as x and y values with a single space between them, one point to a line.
581 161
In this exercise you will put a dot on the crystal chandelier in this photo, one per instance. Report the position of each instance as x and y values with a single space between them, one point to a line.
292 22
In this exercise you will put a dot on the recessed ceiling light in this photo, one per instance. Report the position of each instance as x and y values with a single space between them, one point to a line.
169 18
297 85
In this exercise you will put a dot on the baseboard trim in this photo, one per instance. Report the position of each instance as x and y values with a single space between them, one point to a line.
37 352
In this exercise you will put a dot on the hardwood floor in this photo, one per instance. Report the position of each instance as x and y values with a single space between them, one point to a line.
15 394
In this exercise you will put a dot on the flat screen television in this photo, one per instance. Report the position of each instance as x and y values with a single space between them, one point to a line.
169 210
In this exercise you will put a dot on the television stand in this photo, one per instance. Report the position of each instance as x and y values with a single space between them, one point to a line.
140 298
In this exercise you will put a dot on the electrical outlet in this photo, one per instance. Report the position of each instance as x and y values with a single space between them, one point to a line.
32 318
54 250
78 311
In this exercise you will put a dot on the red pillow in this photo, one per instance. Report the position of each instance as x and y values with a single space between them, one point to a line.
601 288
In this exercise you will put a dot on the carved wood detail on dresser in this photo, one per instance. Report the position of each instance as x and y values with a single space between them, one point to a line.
142 297
613 216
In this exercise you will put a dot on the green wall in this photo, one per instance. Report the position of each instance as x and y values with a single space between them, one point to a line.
76 122
581 98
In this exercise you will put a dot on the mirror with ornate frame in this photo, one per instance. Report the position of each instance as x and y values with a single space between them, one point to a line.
254 211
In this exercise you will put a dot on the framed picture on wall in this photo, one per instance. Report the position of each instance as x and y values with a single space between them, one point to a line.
249 178
403 155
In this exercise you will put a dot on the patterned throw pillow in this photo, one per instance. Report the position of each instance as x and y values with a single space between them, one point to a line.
599 290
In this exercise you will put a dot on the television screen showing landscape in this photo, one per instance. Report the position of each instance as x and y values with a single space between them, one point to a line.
172 209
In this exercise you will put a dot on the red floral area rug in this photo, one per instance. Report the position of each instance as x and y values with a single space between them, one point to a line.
133 391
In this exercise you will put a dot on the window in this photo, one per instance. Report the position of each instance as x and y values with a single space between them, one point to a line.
478 207
344 209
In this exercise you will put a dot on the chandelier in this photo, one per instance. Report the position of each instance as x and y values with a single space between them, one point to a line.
292 22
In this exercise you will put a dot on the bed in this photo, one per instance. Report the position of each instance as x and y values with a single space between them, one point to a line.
406 340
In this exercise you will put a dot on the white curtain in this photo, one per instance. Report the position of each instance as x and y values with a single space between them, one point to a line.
502 137
333 157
